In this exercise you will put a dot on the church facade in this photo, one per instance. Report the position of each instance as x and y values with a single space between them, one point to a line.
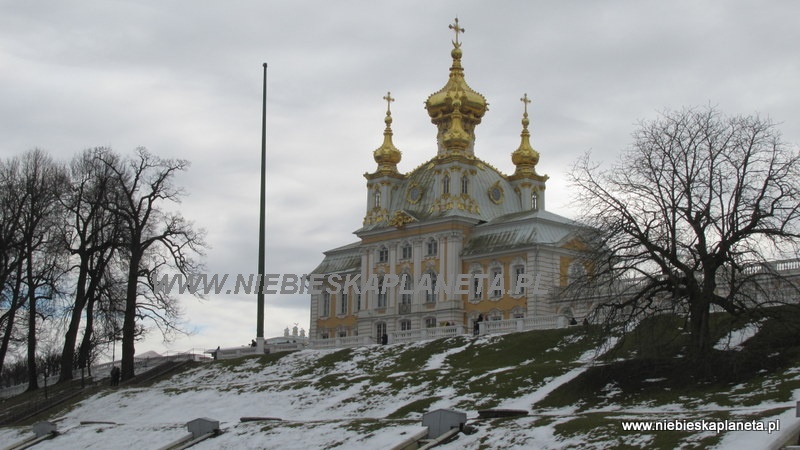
454 220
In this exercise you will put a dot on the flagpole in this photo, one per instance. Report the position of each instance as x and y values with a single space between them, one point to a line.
262 221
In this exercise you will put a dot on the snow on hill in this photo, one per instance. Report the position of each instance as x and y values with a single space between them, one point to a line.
373 397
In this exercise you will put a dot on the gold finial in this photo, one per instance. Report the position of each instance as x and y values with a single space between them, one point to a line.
457 29
525 122
389 99
525 100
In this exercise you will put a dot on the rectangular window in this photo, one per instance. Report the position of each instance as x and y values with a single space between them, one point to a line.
380 330
477 292
497 282
383 255
518 272
430 322
406 251
381 295
407 296
433 248
430 295
326 304
381 299
358 302
342 304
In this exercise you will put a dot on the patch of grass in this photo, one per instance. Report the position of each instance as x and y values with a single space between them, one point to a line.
604 430
370 426
327 362
727 378
420 406
251 363
415 360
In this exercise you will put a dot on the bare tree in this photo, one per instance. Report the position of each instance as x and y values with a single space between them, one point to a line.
42 183
92 236
11 298
154 239
689 217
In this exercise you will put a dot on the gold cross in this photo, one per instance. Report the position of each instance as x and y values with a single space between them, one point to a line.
525 100
389 100
456 28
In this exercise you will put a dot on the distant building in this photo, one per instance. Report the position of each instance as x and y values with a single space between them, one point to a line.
455 217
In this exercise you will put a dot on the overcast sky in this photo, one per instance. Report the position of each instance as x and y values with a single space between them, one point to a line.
183 78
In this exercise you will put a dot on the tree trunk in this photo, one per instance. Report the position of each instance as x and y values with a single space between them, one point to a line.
699 344
12 312
129 321
86 343
71 337
9 327
33 383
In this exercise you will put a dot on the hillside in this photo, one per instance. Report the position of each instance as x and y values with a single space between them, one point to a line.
578 393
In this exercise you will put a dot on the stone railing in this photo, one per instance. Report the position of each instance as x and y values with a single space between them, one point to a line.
342 342
486 327
523 324
426 333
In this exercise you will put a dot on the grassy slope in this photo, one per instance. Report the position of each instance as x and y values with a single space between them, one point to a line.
361 392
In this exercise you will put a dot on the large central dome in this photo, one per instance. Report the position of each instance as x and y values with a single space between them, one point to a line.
456 108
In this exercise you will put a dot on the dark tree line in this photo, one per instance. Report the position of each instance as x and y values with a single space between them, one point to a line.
80 244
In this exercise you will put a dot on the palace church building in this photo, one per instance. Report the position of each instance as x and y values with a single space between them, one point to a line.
454 220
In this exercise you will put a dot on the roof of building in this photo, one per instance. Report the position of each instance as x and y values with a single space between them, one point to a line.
342 259
518 230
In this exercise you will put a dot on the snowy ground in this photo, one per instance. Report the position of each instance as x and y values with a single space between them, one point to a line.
354 401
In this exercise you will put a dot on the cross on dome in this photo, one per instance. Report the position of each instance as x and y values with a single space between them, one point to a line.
525 100
389 99
457 29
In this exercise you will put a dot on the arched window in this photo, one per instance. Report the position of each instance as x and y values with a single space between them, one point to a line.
518 313
446 184
534 201
377 198
464 185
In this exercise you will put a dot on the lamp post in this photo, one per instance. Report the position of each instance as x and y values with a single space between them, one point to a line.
262 222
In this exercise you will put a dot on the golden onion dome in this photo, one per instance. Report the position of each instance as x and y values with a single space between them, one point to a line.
456 108
387 155
456 94
525 157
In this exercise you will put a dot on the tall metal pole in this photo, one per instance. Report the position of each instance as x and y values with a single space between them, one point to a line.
262 221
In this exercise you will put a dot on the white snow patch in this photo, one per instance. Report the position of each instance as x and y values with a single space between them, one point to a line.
735 339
